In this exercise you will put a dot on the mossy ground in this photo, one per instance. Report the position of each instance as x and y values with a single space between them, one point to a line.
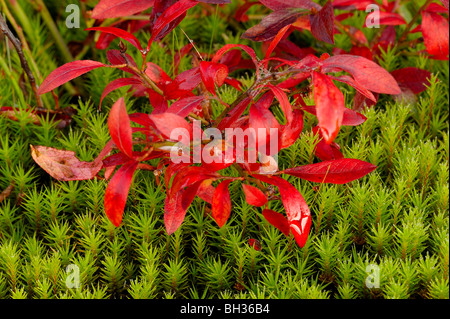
394 222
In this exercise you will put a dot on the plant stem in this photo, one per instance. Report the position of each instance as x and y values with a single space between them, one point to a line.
18 46
413 21
14 83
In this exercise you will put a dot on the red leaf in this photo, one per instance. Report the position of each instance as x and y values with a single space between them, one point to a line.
297 211
120 8
228 47
221 203
215 1
270 25
115 58
117 192
445 3
169 19
183 84
291 131
352 118
116 84
340 171
387 18
352 4
280 35
277 220
435 34
67 72
367 73
255 244
132 26
265 125
322 24
412 79
127 36
234 114
283 4
213 73
281 96
350 81
254 196
330 106
64 165
165 123
326 151
185 106
120 128
173 212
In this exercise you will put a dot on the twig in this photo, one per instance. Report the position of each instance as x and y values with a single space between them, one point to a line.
18 46
413 21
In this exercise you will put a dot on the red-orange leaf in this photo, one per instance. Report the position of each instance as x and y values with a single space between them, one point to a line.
119 8
330 106
254 196
127 36
213 73
367 73
297 211
277 220
435 31
67 72
339 171
120 128
117 192
221 203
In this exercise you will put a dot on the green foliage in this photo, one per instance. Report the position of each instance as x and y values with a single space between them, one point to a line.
397 218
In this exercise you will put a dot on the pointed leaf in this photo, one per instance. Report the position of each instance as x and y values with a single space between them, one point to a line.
322 24
127 36
435 31
330 106
283 4
367 73
339 171
212 74
413 79
107 9
117 84
169 19
120 128
67 72
277 220
167 122
254 196
221 203
297 211
185 106
117 192
270 25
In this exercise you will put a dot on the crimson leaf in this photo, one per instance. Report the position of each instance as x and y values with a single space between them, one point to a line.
339 171
67 72
117 192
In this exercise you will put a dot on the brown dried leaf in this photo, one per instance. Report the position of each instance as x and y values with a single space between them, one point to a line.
64 165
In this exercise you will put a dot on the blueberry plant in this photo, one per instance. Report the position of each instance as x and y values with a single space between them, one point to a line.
271 109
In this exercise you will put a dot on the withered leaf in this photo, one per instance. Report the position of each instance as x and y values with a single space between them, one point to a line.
64 165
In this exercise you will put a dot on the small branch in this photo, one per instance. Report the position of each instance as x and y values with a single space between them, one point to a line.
413 21
18 46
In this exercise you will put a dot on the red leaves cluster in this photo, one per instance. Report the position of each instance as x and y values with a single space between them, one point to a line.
187 96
